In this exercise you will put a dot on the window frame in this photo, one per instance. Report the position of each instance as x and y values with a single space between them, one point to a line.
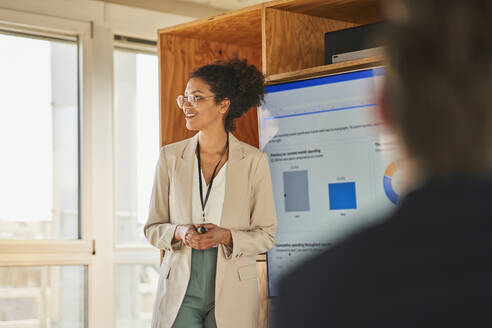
132 254
131 249
92 130
96 249
35 26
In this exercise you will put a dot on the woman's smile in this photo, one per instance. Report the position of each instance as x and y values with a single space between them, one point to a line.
189 116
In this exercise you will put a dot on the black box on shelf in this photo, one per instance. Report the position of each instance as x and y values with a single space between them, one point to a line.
353 43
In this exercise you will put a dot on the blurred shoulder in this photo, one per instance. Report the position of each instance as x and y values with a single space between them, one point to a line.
346 261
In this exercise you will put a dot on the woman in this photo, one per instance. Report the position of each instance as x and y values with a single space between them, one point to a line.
213 182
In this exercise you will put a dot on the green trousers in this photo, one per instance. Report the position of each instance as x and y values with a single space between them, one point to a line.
197 309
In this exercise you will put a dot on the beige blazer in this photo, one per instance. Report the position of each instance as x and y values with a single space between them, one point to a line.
249 212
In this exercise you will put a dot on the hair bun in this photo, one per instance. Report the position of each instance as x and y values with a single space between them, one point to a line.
248 76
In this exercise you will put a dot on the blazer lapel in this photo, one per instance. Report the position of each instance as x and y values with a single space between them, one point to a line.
236 183
184 182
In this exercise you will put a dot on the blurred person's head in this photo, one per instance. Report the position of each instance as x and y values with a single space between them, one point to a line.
438 94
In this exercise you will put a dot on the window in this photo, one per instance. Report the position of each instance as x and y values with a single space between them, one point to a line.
136 122
39 137
76 176
136 114
136 286
43 296
43 257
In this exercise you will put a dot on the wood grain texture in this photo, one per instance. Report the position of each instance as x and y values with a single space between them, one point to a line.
178 58
239 27
261 267
295 41
354 11
312 72
263 42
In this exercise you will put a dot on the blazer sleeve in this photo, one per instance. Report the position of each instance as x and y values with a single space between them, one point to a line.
158 230
261 235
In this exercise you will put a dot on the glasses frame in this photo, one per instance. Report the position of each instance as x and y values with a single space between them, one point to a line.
192 99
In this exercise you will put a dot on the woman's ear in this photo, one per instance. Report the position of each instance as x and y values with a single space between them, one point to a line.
224 106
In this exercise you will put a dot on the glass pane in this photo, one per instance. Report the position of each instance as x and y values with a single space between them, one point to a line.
53 296
39 139
137 141
136 286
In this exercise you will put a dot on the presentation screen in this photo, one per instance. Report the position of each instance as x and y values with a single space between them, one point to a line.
335 167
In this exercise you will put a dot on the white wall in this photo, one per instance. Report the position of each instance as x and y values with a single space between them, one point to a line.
124 20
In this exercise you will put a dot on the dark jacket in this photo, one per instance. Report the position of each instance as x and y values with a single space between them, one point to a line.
428 265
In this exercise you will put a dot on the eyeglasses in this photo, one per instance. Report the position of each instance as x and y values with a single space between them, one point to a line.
192 99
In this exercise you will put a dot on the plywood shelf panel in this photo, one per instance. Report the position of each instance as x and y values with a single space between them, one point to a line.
243 26
294 41
355 11
325 70
240 27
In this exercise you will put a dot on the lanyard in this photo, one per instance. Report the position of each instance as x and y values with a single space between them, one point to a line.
204 203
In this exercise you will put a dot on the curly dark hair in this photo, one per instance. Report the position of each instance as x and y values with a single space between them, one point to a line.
234 79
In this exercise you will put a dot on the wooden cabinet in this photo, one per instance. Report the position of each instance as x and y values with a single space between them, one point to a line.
279 37
284 38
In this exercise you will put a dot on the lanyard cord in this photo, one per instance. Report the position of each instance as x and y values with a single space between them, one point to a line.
204 203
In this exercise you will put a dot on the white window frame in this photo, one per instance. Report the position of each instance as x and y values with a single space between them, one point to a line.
96 183
134 254
32 24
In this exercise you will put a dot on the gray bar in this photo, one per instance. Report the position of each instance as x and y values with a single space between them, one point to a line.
296 191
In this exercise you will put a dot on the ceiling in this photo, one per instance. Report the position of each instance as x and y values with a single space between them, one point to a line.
225 4
188 8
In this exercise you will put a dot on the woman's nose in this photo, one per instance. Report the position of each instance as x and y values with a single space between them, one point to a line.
187 105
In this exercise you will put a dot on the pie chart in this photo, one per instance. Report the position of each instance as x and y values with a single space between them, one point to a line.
388 181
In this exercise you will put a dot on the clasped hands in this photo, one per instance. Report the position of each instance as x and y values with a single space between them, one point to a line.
214 236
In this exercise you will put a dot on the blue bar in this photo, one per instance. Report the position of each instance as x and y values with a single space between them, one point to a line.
325 80
319 111
342 196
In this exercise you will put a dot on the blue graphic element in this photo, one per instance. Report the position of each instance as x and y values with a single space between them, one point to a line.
388 189
326 80
342 196
319 111
390 171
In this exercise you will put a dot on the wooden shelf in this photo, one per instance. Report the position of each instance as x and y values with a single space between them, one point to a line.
325 70
239 27
285 38
353 11
243 26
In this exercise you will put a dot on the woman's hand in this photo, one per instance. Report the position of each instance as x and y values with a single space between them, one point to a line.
184 230
215 235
